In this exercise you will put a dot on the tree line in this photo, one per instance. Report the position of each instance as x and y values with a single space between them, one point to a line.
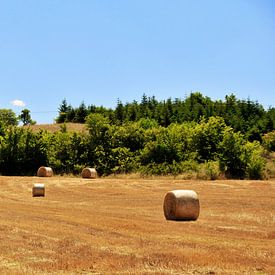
198 144
246 116
208 149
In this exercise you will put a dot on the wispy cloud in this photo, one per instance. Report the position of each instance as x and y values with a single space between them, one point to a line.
18 103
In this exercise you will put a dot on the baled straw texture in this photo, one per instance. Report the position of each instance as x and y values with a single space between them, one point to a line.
38 190
45 172
181 205
89 173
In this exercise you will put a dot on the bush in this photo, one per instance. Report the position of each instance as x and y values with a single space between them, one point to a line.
207 137
206 149
230 154
22 151
210 170
255 163
269 141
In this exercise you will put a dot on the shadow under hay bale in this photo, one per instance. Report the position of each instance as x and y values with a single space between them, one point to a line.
38 190
181 205
45 172
89 173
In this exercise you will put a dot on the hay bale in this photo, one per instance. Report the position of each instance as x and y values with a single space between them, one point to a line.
89 173
38 190
181 205
45 172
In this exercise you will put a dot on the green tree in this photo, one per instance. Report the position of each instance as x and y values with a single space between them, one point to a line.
8 117
207 137
99 152
255 163
62 110
80 113
230 154
21 151
269 141
25 117
119 112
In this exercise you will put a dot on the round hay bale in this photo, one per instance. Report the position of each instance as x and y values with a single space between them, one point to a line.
38 190
181 205
44 172
89 173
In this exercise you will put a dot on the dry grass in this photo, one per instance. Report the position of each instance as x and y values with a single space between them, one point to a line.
117 226
71 127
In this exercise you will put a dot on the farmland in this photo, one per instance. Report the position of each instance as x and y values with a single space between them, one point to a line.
116 225
71 127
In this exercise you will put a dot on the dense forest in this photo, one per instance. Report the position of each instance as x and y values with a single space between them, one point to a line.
194 138
246 116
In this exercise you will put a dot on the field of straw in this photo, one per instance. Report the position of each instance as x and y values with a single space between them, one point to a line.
117 226
55 127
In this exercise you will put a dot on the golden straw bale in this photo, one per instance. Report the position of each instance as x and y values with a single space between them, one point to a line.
45 172
38 190
89 173
181 205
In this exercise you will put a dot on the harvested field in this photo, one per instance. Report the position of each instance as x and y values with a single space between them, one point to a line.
55 127
116 226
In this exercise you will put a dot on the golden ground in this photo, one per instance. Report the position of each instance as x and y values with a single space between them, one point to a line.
117 226
55 127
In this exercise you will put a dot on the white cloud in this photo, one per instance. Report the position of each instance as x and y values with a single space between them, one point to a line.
18 103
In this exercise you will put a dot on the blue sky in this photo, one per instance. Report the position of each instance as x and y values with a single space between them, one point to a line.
97 51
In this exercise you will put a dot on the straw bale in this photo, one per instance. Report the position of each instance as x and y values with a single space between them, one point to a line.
89 173
45 172
181 205
38 190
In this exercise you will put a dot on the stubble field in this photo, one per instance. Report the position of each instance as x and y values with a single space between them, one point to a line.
117 226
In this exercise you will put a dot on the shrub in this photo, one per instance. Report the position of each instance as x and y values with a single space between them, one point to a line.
269 141
230 154
209 170
255 163
207 136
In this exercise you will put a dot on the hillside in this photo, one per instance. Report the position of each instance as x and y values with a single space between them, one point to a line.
71 127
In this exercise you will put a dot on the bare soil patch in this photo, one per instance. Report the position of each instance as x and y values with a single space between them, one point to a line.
116 226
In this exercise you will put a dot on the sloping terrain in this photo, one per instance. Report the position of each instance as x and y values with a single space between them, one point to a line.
70 127
116 226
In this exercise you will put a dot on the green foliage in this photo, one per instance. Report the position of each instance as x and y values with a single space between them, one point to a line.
207 137
122 160
67 152
21 151
231 162
209 170
25 117
147 123
269 141
97 125
255 163
63 110
240 158
130 136
7 118
207 148
80 113
245 116
164 168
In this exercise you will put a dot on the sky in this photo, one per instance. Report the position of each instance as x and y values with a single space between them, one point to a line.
99 51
